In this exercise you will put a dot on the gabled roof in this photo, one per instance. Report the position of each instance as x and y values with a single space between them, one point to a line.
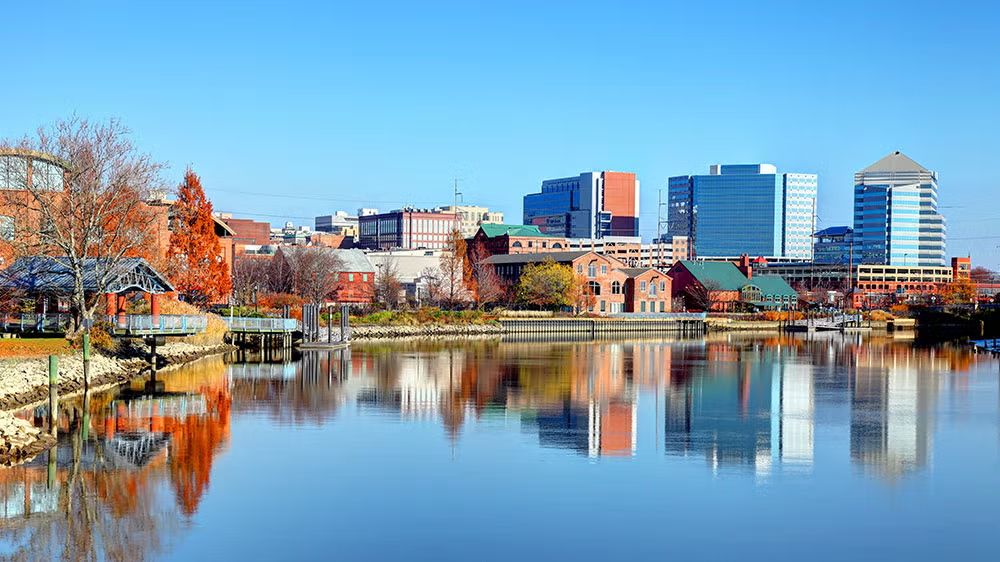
631 272
895 162
352 260
52 275
835 231
558 257
494 230
773 285
722 273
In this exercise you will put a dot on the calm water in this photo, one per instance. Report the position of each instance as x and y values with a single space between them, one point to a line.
732 448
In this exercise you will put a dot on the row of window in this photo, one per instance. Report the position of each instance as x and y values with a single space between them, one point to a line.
350 277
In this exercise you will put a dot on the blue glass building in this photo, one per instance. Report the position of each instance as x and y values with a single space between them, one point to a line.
744 209
591 205
895 214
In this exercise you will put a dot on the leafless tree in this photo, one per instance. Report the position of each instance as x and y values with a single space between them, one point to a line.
387 285
76 192
703 296
250 278
312 271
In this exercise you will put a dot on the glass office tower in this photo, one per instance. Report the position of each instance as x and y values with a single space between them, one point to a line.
745 209
895 214
591 205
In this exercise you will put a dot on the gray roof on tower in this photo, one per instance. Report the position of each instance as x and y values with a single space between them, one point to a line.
895 162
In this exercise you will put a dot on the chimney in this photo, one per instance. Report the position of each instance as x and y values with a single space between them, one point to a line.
744 266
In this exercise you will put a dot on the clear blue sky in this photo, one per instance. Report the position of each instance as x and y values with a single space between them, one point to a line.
371 103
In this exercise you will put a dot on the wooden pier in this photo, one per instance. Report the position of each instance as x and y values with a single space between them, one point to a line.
680 323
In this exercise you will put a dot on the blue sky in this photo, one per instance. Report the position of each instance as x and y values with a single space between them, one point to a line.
337 105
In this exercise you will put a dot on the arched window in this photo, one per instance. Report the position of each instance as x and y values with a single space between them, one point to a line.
515 245
595 288
616 288
557 245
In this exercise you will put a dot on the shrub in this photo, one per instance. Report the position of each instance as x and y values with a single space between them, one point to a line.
100 339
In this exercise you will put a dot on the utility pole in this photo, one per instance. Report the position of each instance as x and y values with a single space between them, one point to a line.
659 226
458 195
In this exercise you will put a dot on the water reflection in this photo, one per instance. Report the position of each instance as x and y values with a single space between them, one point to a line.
134 466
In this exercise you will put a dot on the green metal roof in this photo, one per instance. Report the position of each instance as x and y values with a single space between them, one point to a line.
724 273
494 230
775 286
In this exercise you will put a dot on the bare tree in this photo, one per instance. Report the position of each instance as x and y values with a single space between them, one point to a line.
450 287
250 278
703 296
313 271
76 194
387 285
486 283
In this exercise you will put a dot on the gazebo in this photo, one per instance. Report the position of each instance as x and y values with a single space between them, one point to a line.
47 279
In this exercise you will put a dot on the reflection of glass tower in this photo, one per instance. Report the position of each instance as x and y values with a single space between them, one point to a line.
797 415
724 416
890 420
597 429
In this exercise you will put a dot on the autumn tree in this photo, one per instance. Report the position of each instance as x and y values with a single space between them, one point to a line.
450 288
487 287
196 265
77 194
583 294
547 284
961 291
980 274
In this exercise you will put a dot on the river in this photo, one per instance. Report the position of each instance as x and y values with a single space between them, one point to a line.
725 447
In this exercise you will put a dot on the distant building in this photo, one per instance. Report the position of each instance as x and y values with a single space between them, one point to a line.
471 217
835 245
406 228
516 239
591 205
247 232
744 209
895 214
339 223
633 253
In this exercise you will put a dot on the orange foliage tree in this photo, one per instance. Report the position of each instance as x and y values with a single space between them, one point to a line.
195 256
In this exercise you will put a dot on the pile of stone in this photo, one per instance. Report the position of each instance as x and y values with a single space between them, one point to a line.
20 441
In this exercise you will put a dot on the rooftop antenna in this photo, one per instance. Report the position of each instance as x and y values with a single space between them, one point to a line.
458 197
660 223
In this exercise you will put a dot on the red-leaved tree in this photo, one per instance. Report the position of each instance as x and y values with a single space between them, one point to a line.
196 266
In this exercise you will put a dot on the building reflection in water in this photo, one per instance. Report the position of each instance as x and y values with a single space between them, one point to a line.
136 464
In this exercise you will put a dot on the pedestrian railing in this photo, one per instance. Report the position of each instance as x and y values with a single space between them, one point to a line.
261 325
159 324
37 323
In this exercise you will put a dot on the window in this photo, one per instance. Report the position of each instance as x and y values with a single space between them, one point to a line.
530 243
604 270
603 306
557 245
336 277
595 288
515 245
663 286
616 288
591 271
652 289
663 306
643 306
364 277
642 285
579 268
350 277
545 244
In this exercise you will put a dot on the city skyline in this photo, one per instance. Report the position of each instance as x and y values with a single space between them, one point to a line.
263 121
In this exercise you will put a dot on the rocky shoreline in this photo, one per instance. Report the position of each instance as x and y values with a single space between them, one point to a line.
24 382
376 332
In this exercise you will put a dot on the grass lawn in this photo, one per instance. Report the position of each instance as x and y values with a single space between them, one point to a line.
27 348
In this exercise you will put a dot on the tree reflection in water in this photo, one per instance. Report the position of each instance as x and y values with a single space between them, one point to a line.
97 495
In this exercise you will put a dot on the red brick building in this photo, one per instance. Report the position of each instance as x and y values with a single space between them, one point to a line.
500 239
647 290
